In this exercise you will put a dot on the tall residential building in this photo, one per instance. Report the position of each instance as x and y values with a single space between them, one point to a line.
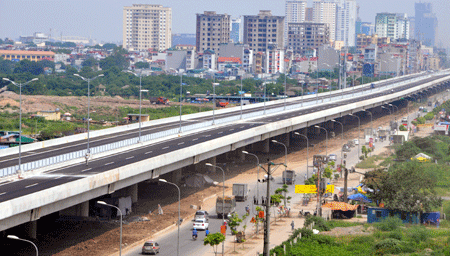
295 12
345 21
426 24
309 14
305 36
392 25
212 30
147 26
325 12
236 30
263 29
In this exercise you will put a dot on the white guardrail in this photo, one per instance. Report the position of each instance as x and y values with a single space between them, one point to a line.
128 142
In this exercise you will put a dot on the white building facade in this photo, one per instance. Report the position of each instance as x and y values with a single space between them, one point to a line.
295 12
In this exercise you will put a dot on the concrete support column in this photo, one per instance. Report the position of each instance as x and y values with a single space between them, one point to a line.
266 146
133 192
285 139
31 229
330 125
202 168
176 176
240 155
84 209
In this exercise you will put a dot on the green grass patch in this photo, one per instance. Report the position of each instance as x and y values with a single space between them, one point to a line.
369 162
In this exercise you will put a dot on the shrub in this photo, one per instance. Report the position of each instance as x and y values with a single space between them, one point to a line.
389 224
388 245
306 233
418 234
319 223
396 234
402 128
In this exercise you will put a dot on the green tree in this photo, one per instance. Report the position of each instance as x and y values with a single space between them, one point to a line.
214 240
109 46
27 66
364 151
282 191
142 65
89 62
234 222
408 187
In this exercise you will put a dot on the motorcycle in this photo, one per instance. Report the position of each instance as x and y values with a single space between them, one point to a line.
194 237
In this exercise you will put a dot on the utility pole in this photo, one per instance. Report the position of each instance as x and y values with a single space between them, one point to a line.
345 182
318 161
266 251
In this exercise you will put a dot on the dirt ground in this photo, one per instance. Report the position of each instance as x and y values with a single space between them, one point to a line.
99 237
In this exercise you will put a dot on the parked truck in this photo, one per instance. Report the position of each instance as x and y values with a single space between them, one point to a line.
227 208
159 100
221 103
289 177
240 191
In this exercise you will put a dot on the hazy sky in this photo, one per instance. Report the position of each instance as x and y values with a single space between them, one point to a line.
102 19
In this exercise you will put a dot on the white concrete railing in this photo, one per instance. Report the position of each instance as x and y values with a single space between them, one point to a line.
337 95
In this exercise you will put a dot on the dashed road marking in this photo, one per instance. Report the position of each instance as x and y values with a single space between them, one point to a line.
2 193
32 185
129 157
165 147
181 143
86 170
148 152
219 132
195 139
109 163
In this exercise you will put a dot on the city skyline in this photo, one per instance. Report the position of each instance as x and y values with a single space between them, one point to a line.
103 21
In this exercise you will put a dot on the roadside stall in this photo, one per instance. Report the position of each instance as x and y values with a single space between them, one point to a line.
341 210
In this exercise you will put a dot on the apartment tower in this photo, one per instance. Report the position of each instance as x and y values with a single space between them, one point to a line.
346 21
212 30
325 12
295 12
263 29
147 26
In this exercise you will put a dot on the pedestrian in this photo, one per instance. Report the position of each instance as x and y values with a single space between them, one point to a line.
292 225
206 232
247 209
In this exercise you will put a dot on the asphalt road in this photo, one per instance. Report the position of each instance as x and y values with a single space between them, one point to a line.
11 190
38 154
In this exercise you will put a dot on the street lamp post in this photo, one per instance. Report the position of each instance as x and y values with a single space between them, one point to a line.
285 156
342 127
285 95
179 216
393 108
257 184
140 99
20 116
223 200
110 205
181 91
214 101
265 85
88 151
307 153
17 238
241 96
326 138
359 131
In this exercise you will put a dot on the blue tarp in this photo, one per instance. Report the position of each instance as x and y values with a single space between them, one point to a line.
359 197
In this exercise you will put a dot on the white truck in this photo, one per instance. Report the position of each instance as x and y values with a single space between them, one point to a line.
441 128
289 177
240 191
225 206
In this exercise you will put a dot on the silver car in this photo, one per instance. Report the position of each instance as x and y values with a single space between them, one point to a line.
150 247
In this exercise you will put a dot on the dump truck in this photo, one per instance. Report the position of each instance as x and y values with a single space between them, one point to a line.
240 191
159 100
289 177
221 103
228 208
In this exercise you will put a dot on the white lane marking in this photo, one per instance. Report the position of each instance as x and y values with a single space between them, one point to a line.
195 139
181 143
165 147
242 127
86 170
109 163
219 132
59 177
129 157
208 135
2 193
231 130
148 152
32 185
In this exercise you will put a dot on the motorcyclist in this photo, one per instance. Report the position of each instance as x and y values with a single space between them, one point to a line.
206 232
194 233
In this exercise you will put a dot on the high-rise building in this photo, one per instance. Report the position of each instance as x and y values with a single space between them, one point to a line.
236 30
212 30
309 14
295 12
325 12
306 36
345 21
426 24
263 29
147 26
392 25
